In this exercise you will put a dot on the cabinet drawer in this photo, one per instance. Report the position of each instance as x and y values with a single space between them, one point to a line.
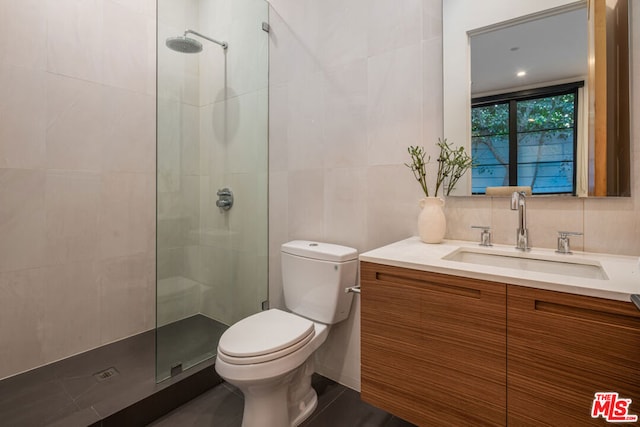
564 348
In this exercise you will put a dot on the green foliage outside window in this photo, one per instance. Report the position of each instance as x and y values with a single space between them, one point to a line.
543 140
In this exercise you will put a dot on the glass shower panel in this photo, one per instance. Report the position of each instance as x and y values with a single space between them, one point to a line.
212 146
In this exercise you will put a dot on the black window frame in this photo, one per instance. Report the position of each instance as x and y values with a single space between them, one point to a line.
512 98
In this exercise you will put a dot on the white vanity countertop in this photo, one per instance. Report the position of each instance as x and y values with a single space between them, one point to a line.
623 272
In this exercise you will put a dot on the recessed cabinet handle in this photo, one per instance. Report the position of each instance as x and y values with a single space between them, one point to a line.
430 285
601 315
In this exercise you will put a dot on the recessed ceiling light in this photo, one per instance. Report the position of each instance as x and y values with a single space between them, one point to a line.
521 73
513 49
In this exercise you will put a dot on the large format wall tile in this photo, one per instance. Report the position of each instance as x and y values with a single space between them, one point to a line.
75 123
290 51
77 188
146 7
213 62
343 363
24 21
72 203
213 131
124 283
129 135
245 69
339 31
243 152
75 38
304 124
71 321
306 205
22 117
392 205
345 206
344 130
178 14
128 58
431 20
394 117
545 219
504 221
612 225
432 122
22 304
126 215
248 218
170 262
168 145
392 24
278 128
249 290
22 219
462 213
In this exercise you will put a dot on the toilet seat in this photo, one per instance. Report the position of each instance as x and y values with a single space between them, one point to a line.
264 336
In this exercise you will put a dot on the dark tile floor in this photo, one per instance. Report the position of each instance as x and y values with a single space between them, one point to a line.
338 406
67 393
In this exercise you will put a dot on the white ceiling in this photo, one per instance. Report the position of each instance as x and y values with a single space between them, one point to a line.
551 49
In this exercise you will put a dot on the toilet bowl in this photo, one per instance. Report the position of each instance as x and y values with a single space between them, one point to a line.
277 383
269 355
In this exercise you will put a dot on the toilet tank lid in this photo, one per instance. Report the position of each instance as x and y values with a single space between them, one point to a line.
321 251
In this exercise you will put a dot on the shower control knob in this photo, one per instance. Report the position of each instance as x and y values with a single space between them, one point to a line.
225 199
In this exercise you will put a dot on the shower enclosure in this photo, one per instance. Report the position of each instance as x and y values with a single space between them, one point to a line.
212 106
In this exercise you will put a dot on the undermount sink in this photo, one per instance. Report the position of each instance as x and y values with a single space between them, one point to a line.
525 261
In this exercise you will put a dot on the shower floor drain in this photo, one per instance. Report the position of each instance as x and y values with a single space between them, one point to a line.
106 374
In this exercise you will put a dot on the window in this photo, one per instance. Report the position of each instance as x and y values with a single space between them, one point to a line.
526 138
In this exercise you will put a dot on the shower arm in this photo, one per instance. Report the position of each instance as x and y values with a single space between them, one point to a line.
223 44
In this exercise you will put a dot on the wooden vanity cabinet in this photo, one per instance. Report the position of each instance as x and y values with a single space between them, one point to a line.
433 346
562 349
441 350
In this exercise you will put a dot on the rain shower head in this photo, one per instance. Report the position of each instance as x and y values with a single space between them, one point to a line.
186 44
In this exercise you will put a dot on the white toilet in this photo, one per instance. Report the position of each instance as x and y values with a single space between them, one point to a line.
269 355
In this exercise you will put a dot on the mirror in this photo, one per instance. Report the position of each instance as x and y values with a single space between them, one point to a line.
521 81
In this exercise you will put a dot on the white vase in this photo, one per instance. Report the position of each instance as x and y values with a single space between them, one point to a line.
432 223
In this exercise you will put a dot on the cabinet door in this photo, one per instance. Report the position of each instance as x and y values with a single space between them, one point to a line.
433 346
564 348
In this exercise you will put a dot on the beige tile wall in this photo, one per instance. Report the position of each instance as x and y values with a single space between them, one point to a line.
349 91
352 84
77 167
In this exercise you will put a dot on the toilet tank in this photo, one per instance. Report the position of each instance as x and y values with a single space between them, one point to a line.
314 278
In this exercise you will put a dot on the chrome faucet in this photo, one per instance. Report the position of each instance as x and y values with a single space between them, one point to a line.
522 236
